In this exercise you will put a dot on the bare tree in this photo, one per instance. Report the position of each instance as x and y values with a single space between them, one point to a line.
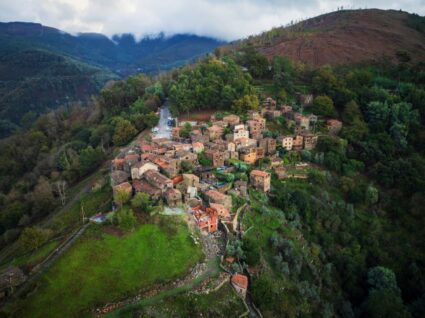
60 187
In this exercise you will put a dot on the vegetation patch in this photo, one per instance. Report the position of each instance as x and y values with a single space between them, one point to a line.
103 267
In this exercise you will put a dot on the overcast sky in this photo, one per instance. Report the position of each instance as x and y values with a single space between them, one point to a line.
224 19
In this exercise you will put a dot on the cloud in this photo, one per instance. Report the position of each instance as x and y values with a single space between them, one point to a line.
223 19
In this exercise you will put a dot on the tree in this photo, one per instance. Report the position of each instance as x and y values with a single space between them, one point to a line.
372 194
187 166
185 131
125 219
124 132
383 303
151 119
33 237
90 158
380 277
42 197
142 201
60 187
122 197
245 103
323 105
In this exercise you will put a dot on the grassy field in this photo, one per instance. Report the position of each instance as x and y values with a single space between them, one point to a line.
221 303
102 267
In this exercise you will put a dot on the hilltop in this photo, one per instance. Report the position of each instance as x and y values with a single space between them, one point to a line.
345 37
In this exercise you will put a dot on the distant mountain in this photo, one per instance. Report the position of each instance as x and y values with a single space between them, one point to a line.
42 68
121 54
348 36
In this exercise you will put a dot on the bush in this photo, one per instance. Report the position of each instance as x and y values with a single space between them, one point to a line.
142 201
125 219
33 237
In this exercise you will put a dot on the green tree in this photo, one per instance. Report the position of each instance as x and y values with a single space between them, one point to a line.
89 159
122 197
142 201
124 132
380 277
246 103
33 237
372 194
185 131
323 105
125 219
187 166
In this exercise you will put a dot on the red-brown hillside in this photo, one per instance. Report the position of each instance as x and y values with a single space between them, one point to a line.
345 37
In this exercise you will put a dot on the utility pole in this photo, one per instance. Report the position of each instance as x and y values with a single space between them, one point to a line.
83 217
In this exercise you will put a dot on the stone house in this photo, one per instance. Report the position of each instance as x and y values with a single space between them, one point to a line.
298 142
145 187
173 197
286 109
197 147
190 180
256 126
248 155
125 186
310 141
232 120
240 132
260 153
200 138
260 180
222 212
130 160
287 142
245 142
140 168
215 132
269 102
216 156
269 145
10 278
304 99
117 164
119 176
231 146
302 121
334 126
213 196
232 155
240 283
186 156
206 218
158 180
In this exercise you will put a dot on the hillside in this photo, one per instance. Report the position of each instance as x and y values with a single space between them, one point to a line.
37 80
348 36
122 54
43 68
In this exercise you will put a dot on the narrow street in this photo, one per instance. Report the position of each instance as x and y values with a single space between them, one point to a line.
164 131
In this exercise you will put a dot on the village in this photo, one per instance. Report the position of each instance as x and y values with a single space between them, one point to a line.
205 166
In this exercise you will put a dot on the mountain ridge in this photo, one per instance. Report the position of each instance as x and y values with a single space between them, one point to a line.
345 37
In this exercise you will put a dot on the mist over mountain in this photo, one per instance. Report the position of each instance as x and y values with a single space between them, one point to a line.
43 67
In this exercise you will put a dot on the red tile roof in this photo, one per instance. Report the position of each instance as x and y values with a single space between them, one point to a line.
240 280
177 179
259 173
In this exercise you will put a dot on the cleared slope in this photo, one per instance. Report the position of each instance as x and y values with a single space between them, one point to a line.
349 36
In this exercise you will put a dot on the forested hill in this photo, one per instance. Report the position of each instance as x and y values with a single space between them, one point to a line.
121 54
347 36
43 68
